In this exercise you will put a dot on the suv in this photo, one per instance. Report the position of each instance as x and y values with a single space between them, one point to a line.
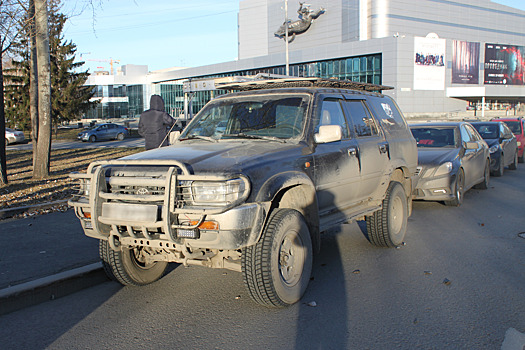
296 157
517 126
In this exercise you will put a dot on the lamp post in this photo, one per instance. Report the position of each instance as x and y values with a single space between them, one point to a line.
286 37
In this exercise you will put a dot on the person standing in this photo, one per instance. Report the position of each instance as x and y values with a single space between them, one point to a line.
155 123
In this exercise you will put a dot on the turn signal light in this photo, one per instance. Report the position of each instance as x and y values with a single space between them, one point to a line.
206 225
87 215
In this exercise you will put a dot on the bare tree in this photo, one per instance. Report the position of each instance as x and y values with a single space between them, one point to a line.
43 149
11 26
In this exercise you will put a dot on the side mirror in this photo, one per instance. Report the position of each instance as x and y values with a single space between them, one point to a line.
471 145
328 133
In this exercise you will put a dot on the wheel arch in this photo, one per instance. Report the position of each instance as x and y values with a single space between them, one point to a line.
293 190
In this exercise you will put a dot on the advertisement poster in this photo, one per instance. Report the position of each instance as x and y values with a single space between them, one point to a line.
465 62
504 64
429 63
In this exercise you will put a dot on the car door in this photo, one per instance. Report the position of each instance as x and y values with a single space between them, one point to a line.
102 132
372 149
508 143
474 160
336 167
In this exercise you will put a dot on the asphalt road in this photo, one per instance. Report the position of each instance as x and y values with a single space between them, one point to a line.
128 142
458 283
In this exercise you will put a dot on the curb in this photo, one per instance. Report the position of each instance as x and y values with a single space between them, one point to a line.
10 212
51 287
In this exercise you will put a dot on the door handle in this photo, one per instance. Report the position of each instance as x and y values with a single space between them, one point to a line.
352 151
383 148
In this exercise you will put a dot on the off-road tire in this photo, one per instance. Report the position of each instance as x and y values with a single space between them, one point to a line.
277 269
123 266
120 137
514 164
483 185
387 226
459 189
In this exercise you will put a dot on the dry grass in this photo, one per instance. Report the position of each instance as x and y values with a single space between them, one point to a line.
23 190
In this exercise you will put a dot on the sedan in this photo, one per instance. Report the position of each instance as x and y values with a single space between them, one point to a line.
503 145
12 136
107 131
452 159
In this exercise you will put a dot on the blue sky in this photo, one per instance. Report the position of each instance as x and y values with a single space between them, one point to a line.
159 33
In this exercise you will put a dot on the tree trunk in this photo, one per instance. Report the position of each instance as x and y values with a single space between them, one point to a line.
33 82
42 161
3 157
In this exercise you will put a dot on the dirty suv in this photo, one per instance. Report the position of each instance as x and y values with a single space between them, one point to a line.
252 182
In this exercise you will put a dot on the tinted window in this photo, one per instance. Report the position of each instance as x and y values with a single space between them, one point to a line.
514 126
332 114
362 121
487 131
434 137
388 113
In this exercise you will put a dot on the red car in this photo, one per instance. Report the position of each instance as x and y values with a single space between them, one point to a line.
517 125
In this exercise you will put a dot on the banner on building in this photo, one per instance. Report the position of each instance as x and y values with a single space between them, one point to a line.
429 63
504 64
465 62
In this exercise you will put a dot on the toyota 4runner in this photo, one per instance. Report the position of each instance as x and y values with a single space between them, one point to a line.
252 182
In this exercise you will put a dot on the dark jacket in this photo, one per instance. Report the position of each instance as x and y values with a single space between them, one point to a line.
155 123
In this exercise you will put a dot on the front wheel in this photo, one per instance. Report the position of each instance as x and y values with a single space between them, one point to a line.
92 138
514 164
458 190
387 226
501 166
128 266
277 269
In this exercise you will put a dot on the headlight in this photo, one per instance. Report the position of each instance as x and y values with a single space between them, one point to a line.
443 169
224 192
493 149
519 143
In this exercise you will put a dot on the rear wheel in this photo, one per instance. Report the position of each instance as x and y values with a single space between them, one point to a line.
277 269
514 164
387 226
120 136
129 266
459 188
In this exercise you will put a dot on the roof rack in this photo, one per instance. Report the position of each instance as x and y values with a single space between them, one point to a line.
302 82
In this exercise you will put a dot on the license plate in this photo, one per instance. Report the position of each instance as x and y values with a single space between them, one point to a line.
130 212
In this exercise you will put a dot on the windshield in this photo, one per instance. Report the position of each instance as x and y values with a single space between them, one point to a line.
514 126
268 117
487 131
435 137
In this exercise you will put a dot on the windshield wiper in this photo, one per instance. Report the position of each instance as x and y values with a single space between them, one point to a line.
200 137
250 136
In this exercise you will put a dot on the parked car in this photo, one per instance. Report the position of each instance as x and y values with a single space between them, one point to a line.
296 158
503 145
517 126
106 131
12 136
452 158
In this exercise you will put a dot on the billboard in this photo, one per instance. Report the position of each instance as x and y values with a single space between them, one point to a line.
504 64
465 62
429 63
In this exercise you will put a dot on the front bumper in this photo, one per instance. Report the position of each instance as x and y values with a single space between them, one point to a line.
435 189
163 220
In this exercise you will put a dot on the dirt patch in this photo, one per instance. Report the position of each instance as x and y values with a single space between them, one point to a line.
22 190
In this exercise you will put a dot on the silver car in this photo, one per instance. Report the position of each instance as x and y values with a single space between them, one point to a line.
12 136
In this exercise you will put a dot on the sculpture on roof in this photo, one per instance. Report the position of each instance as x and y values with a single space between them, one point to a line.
306 17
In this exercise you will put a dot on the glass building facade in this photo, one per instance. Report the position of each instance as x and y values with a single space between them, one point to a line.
365 69
117 101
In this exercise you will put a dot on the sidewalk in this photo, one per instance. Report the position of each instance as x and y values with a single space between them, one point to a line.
39 255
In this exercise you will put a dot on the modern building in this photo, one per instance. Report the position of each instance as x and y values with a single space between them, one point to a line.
441 56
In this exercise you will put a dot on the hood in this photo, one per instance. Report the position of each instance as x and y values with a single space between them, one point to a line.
157 103
227 157
434 157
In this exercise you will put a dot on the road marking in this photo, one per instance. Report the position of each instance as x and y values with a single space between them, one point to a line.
514 340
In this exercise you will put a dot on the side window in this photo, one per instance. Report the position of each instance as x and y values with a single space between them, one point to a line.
362 120
474 135
466 134
506 131
332 114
